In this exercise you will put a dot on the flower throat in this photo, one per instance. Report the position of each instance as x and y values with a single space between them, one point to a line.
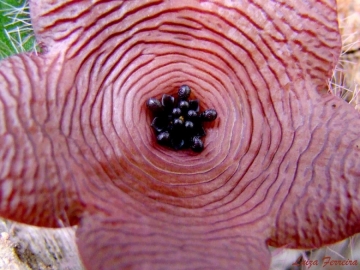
178 122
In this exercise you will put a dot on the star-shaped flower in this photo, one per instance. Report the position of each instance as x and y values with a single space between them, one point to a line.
280 165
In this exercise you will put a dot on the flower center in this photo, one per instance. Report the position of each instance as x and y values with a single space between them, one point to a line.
178 122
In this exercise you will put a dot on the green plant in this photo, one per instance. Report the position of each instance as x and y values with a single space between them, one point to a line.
16 33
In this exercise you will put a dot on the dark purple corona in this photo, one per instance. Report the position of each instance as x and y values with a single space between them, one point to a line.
178 122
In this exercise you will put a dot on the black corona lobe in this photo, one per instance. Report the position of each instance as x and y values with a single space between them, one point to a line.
178 122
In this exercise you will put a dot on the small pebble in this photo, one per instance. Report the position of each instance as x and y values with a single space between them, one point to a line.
163 137
184 92
184 105
197 144
154 105
209 115
167 101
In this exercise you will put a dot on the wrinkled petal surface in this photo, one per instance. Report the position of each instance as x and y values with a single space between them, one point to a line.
280 164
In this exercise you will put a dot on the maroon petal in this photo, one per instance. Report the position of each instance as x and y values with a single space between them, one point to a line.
36 169
322 202
126 241
75 131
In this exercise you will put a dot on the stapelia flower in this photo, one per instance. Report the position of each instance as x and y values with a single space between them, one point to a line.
280 164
